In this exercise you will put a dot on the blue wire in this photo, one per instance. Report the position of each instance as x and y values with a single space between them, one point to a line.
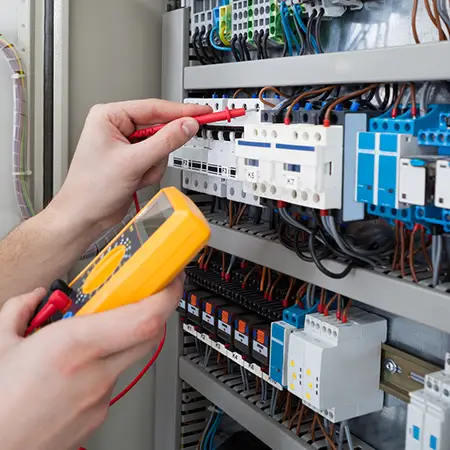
298 16
211 40
285 28
212 431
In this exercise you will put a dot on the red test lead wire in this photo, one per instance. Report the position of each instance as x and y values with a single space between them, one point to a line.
226 114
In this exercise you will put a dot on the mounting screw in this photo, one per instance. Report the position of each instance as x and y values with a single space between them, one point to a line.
390 365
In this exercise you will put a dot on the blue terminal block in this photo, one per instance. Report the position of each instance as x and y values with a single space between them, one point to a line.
391 215
405 123
430 214
295 315
437 137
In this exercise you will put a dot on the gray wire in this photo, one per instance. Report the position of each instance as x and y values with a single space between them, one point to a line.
345 247
433 249
349 436
424 97
443 12
437 261
341 436
310 292
287 218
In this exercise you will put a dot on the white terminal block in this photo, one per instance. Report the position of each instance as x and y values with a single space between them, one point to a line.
235 192
442 189
299 164
204 184
334 367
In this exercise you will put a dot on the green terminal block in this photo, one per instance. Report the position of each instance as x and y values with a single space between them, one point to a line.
275 28
251 31
225 30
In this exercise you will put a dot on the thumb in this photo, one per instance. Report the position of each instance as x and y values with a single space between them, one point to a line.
17 312
175 134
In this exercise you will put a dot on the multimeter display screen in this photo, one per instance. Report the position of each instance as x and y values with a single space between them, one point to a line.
152 217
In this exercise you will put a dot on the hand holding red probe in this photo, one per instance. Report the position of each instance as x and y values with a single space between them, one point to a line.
226 114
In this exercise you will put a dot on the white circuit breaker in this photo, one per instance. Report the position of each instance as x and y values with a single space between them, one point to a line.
428 424
299 164
334 367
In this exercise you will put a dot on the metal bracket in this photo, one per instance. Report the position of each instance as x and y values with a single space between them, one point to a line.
402 373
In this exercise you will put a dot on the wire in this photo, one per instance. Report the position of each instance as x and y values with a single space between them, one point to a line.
303 96
264 45
352 95
437 262
142 372
396 249
312 41
423 247
221 48
414 21
442 36
412 89
411 254
398 100
402 249
443 12
274 285
234 49
245 91
247 277
273 89
309 34
245 47
318 263
317 29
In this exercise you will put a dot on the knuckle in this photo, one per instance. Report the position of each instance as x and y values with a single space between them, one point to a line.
149 328
97 109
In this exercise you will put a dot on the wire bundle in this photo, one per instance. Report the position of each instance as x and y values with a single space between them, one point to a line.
207 440
20 171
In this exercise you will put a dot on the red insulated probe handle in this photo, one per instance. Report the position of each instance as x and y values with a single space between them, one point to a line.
226 114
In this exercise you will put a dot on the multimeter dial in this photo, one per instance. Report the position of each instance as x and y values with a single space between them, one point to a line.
109 263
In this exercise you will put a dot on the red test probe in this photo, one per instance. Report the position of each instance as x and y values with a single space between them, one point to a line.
226 114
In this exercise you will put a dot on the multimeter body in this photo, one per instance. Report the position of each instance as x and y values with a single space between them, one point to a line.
150 251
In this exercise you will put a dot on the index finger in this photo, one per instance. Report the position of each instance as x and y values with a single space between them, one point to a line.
103 334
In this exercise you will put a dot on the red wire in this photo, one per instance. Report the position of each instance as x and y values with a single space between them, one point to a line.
136 202
140 375
142 372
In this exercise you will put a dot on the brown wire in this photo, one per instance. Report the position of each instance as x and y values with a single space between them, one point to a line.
240 214
411 255
274 285
398 99
395 257
327 307
423 247
297 413
230 207
273 89
306 95
345 98
245 91
412 89
414 21
287 408
313 428
402 249
430 13
299 423
329 440
347 308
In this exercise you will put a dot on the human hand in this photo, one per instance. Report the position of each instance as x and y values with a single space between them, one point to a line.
56 384
106 169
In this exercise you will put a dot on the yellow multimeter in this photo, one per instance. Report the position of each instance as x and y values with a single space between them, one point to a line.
144 257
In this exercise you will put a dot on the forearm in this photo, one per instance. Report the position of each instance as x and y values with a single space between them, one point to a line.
40 250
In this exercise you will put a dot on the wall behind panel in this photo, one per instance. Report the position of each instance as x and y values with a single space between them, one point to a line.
115 55
9 213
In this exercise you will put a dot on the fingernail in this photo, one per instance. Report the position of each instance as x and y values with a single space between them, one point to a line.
190 127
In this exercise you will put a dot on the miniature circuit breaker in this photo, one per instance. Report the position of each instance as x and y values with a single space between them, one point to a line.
334 367
299 164
428 423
